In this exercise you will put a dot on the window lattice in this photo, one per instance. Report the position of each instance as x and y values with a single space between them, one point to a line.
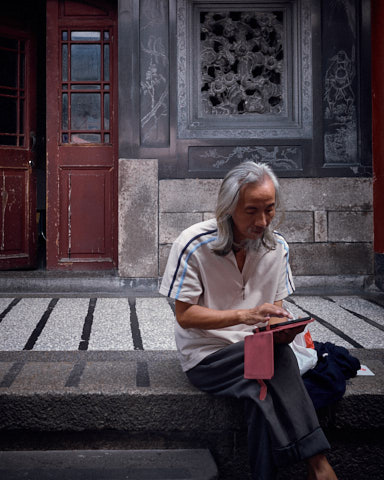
242 62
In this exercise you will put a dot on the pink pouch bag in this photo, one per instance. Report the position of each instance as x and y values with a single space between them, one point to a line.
258 351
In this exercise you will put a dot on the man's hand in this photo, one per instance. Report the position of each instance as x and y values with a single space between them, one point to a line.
263 314
197 316
287 336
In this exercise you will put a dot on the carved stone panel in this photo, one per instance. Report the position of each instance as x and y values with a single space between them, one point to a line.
154 73
281 158
340 94
244 69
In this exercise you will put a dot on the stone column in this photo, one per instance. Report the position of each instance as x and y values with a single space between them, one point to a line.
138 218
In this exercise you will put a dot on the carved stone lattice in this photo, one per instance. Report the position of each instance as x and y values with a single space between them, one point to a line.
244 70
242 62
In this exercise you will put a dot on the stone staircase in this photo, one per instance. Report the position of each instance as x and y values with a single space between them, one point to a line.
134 401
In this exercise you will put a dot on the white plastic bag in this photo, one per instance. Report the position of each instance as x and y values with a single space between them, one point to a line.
306 356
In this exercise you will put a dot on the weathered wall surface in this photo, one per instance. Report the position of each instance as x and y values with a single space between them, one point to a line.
327 221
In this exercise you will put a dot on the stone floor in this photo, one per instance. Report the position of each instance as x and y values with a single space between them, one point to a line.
146 323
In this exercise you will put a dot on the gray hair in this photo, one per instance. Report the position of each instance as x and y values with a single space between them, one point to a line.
246 172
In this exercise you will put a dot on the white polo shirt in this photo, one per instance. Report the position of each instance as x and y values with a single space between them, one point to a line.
195 274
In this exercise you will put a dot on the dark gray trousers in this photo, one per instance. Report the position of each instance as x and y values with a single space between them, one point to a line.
283 428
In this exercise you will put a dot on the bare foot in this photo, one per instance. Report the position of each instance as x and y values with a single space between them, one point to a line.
320 469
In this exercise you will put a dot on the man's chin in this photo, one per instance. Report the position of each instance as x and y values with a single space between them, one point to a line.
255 235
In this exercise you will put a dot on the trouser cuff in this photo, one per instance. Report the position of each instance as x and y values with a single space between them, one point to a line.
306 447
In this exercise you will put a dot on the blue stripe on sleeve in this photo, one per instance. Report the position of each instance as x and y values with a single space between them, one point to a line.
182 253
186 264
286 248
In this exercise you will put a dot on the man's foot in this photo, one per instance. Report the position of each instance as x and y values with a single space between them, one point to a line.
320 469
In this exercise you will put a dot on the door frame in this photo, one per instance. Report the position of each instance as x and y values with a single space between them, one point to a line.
54 24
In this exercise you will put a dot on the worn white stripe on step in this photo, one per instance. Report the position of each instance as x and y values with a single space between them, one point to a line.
362 306
362 332
18 325
65 325
156 321
111 328
318 332
4 303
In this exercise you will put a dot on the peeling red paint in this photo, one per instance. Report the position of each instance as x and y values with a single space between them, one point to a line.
377 122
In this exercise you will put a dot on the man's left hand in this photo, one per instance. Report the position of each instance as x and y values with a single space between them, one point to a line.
288 335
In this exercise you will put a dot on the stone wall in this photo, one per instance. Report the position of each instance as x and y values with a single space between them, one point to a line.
326 221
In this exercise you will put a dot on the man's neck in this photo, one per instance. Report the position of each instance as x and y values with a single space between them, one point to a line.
240 255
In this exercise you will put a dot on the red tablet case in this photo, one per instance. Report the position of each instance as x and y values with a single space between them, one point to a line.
258 352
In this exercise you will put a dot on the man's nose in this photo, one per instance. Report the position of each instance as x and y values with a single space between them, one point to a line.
261 220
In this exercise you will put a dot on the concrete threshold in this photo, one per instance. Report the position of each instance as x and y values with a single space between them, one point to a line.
108 283
45 282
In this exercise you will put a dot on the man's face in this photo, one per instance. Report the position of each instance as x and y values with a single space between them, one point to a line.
254 210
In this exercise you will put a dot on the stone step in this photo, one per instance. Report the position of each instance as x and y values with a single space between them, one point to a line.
195 464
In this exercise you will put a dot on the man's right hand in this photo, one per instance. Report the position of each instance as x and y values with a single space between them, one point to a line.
196 316
263 314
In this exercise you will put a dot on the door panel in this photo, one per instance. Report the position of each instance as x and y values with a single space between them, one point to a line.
88 190
13 196
82 151
17 177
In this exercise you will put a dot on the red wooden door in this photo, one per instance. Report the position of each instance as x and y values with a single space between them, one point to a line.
81 135
17 126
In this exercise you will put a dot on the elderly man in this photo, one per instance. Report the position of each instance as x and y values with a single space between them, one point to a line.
228 275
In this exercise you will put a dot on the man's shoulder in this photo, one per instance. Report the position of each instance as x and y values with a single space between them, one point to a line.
280 240
198 232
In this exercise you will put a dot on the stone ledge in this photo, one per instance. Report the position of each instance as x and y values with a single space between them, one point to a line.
138 392
196 464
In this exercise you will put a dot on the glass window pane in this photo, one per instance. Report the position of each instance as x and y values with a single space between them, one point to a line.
85 63
9 140
85 87
22 70
21 116
64 53
106 35
106 63
64 138
8 117
106 138
86 138
85 111
64 112
8 71
21 141
106 111
64 35
85 36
